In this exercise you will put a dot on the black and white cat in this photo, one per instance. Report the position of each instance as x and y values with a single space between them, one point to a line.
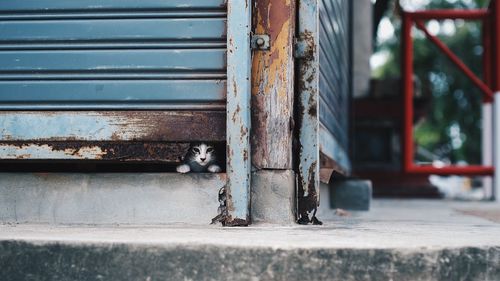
200 158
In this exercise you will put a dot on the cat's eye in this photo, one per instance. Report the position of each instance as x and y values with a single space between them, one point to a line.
210 149
196 150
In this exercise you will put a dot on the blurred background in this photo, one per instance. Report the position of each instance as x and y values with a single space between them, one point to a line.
448 106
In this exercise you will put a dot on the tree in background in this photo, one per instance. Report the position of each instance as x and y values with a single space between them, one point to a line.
452 128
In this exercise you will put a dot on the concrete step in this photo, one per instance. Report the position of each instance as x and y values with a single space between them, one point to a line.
243 254
396 240
109 198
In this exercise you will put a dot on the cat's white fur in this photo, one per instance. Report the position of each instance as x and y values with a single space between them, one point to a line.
200 158
184 168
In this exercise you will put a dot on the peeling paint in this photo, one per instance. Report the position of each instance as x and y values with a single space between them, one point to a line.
307 112
238 114
273 85
112 126
71 150
33 151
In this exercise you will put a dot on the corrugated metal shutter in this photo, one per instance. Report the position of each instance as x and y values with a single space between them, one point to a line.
112 53
334 36
93 61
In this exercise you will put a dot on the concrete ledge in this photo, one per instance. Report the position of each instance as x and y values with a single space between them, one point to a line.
56 261
350 194
109 198
273 197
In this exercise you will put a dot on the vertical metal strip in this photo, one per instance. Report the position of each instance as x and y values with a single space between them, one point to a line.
496 147
238 111
308 109
487 145
487 107
496 88
408 93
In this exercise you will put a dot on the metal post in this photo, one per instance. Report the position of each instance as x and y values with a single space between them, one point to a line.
238 112
408 93
496 140
487 109
308 109
487 145
496 89
477 14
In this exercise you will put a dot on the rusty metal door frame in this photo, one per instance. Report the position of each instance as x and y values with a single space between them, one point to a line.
238 111
308 109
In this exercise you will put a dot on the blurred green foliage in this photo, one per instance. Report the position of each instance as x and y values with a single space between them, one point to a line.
452 128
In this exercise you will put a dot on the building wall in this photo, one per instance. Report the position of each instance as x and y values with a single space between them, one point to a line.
362 46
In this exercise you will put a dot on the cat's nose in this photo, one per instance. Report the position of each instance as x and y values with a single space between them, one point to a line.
203 159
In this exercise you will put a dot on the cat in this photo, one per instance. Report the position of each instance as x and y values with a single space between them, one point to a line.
200 158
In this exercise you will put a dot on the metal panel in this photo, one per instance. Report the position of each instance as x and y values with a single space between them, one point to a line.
149 94
334 78
112 126
26 33
101 63
332 149
94 54
308 104
53 31
160 136
72 6
238 112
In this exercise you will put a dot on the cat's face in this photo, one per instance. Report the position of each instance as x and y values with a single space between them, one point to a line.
202 154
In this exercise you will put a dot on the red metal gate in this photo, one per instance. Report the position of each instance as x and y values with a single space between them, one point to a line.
491 82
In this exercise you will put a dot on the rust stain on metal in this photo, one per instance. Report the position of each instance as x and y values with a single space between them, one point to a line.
170 126
123 151
229 220
311 176
236 113
307 37
236 222
307 193
308 204
312 110
243 132
235 89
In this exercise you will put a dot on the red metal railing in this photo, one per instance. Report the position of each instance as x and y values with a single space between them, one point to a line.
491 83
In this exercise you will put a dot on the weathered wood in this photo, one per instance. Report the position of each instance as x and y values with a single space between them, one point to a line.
167 126
273 85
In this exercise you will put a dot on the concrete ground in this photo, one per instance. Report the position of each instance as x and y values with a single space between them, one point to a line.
396 240
390 224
